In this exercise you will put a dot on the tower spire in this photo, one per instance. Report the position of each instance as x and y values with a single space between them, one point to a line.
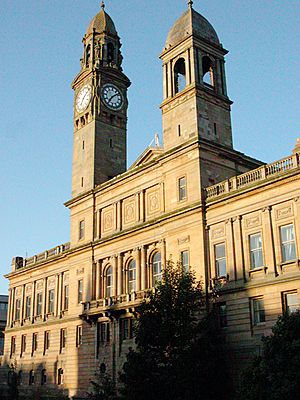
190 3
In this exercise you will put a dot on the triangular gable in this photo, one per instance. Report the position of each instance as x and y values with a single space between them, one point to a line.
149 154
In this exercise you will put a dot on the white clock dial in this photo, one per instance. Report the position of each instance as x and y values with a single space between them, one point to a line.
83 98
112 97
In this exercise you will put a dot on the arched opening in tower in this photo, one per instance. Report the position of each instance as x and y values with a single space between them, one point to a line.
179 75
208 71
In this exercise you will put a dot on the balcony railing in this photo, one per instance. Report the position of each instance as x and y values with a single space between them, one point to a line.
249 178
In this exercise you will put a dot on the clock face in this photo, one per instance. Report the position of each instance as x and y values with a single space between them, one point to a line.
83 98
112 97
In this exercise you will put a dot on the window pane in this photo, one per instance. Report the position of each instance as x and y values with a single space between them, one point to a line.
156 268
185 261
131 276
288 246
292 302
220 260
182 188
258 311
256 255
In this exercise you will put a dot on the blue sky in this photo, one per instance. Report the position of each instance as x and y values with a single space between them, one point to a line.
40 48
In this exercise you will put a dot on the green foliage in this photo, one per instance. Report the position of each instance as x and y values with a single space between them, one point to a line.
103 387
179 351
276 373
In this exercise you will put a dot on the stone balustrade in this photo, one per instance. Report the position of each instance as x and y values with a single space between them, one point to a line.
249 178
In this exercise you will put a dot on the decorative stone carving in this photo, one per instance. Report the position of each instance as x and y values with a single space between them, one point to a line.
129 207
28 289
183 240
39 285
218 232
108 218
153 200
51 282
80 271
252 221
284 212
18 291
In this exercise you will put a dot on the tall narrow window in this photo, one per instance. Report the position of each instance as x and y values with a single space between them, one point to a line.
126 331
66 297
208 72
110 52
80 291
60 376
39 303
18 309
290 302
87 55
179 75
81 230
23 344
27 306
43 377
103 333
132 276
179 130
34 342
156 268
46 341
51 301
1 343
258 311
78 335
31 377
184 259
288 245
63 339
182 188
109 282
13 346
220 260
222 314
256 254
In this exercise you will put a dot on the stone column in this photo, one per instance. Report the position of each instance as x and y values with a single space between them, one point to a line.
138 269
115 276
119 215
143 267
142 206
230 250
56 305
163 253
269 255
8 322
120 268
32 302
44 308
239 248
22 304
13 297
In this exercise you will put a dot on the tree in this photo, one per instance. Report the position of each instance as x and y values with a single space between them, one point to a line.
178 350
103 386
276 373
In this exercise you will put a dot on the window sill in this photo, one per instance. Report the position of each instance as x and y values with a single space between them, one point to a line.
257 271
290 265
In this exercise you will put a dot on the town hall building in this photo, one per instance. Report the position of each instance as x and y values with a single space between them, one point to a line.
194 199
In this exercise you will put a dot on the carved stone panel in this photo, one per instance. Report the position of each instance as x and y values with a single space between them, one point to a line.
108 219
218 232
129 210
284 212
153 201
39 285
28 289
51 282
252 221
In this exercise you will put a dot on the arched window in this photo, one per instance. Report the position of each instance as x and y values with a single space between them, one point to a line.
43 377
208 72
156 269
60 376
31 377
132 276
20 377
88 55
110 52
179 75
109 282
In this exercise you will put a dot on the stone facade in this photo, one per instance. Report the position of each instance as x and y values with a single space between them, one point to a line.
233 220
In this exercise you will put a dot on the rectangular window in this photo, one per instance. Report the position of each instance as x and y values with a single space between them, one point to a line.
23 344
66 297
18 309
126 331
39 303
256 254
46 341
103 332
184 258
80 291
81 230
51 301
258 311
63 338
220 260
34 342
182 188
288 245
290 302
79 335
28 307
13 346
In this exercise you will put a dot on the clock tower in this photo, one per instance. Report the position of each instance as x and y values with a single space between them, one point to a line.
100 108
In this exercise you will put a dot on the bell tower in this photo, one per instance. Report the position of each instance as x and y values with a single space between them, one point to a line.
195 102
100 108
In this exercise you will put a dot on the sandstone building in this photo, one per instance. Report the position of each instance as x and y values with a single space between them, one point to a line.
196 199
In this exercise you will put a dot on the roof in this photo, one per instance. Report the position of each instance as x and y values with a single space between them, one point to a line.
191 22
102 23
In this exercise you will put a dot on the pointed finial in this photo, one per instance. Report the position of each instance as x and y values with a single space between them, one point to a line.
102 5
190 3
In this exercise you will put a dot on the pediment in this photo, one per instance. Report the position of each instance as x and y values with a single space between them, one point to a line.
148 155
